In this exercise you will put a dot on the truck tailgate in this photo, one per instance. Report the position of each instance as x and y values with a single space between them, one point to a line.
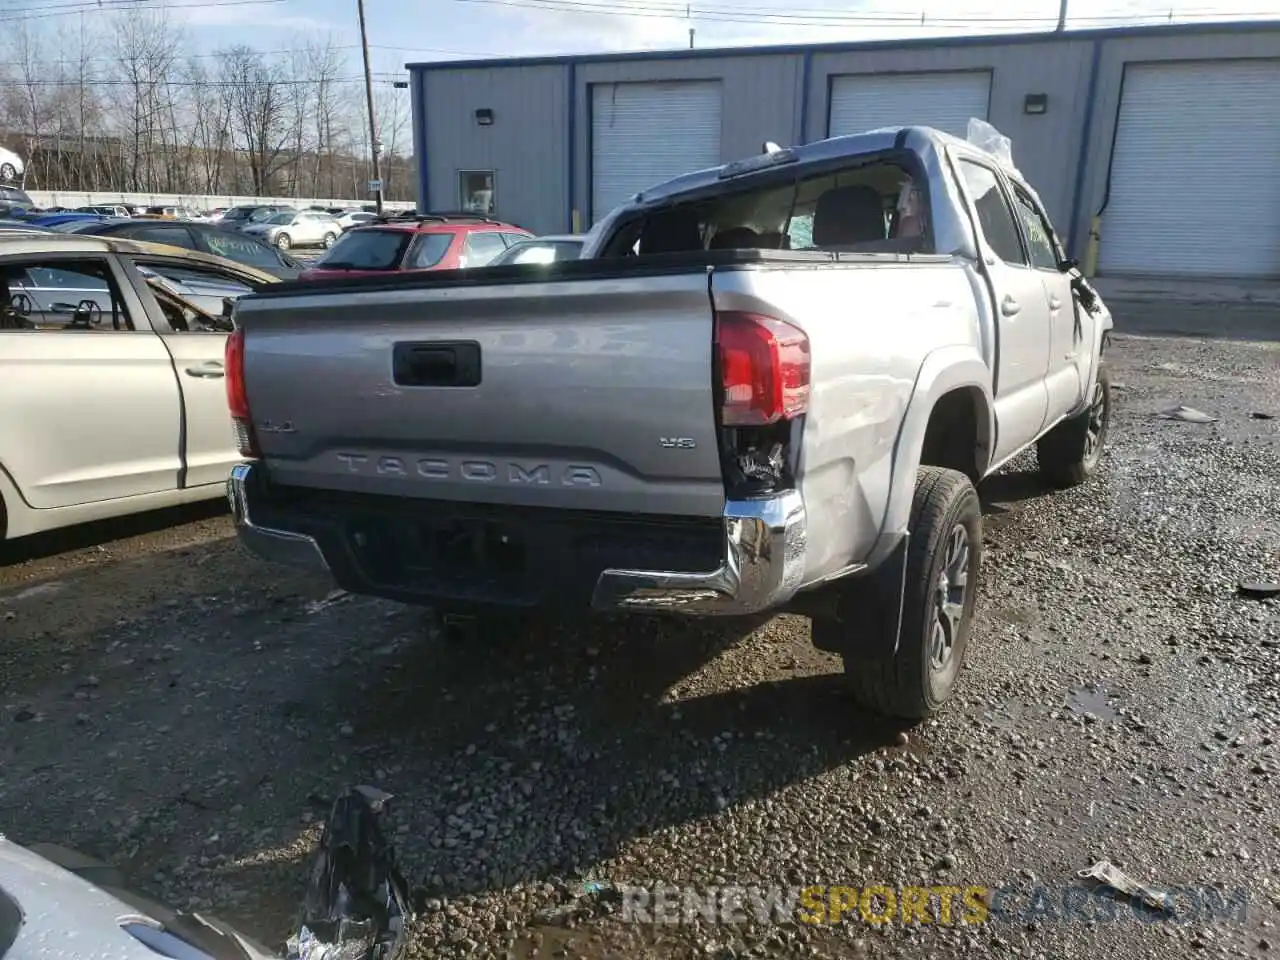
584 393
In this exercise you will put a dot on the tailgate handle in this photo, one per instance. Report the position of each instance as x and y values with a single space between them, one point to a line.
438 364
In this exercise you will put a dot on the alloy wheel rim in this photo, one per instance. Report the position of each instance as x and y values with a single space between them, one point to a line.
951 596
1097 423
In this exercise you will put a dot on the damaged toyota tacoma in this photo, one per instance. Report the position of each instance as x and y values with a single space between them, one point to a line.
767 386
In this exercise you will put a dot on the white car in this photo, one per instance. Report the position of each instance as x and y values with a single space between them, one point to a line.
546 249
354 218
297 228
116 348
11 166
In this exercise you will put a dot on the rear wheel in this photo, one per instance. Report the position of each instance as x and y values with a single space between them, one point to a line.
8 172
329 239
1069 454
944 559
284 241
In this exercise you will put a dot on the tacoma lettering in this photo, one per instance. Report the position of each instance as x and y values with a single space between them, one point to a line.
474 471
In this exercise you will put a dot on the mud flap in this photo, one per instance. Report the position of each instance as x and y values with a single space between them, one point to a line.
868 611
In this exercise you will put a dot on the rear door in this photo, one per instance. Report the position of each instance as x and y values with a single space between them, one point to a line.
1021 312
91 401
548 394
209 449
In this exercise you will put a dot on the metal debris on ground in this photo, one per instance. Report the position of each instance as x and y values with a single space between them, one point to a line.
333 598
1186 414
357 902
1108 874
1258 415
1259 590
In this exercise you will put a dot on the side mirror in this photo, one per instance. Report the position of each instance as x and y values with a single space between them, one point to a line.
1069 264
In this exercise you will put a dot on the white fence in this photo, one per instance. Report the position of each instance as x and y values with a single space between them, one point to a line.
74 198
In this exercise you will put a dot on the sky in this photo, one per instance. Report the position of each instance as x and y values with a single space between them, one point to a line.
403 31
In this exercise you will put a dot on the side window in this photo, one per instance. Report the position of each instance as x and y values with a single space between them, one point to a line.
994 215
1035 227
172 235
61 295
483 248
513 238
197 278
429 250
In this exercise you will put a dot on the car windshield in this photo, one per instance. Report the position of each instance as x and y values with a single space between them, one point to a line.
281 218
238 213
368 250
263 213
541 251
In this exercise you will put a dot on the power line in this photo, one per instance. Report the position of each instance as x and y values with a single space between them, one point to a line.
49 11
283 52
180 84
819 18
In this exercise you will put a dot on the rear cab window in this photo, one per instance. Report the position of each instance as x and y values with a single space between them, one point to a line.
875 203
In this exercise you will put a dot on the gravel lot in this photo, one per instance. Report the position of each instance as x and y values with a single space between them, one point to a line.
172 705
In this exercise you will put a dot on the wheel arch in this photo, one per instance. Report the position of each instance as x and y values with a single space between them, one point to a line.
950 418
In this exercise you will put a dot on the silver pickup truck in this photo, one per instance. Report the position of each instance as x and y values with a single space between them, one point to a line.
771 385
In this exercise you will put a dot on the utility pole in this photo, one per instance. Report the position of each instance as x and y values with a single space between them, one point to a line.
374 143
1062 16
688 15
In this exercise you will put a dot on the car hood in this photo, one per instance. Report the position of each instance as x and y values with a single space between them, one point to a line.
65 915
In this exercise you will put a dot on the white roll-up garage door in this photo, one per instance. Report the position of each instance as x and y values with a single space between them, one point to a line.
1195 177
645 133
942 100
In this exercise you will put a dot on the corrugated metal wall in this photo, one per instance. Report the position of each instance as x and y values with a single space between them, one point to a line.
526 146
765 99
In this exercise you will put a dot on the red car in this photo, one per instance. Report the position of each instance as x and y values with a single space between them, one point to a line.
437 241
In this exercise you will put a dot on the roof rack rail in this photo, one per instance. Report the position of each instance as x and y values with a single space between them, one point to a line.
442 216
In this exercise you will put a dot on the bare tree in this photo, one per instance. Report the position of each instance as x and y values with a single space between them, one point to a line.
116 101
212 146
257 98
145 45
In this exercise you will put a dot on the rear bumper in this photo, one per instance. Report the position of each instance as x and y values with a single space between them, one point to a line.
279 546
751 560
762 567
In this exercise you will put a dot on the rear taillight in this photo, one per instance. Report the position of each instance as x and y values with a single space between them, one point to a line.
238 395
764 369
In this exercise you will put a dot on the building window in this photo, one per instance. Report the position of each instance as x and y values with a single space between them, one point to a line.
476 190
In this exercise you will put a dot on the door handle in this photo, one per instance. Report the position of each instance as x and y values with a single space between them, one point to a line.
211 370
1055 303
1010 307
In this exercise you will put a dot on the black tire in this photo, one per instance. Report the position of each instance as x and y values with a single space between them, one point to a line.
283 241
329 240
1070 453
8 172
919 679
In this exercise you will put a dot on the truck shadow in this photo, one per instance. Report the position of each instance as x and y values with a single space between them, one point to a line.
543 755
